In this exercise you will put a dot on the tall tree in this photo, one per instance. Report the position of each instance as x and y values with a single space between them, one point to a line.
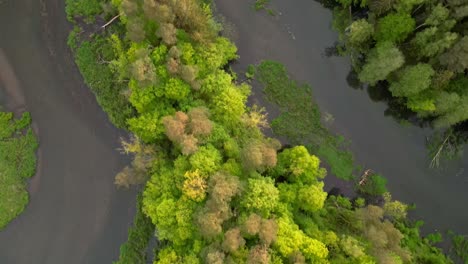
382 60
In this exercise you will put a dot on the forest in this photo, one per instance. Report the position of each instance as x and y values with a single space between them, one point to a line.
417 49
216 190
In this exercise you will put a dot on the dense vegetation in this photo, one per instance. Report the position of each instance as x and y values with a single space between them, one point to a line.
417 49
217 190
300 120
139 235
17 164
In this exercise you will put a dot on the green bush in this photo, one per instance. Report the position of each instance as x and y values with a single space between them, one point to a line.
85 8
340 161
375 185
91 57
139 235
17 163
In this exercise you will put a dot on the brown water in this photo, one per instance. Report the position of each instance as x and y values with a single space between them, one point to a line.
297 37
75 214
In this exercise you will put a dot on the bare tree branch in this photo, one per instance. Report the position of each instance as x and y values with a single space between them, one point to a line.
436 158
110 21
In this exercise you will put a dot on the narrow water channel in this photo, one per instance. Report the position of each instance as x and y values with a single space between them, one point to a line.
297 37
75 214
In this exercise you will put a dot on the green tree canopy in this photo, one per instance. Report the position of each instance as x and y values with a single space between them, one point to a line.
412 80
395 27
382 60
456 58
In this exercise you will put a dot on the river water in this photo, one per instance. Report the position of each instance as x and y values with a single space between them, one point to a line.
75 214
297 37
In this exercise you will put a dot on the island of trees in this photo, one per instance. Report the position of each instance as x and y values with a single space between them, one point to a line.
216 189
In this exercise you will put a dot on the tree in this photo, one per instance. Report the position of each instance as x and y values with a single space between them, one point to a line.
375 185
215 257
229 105
195 186
167 32
189 73
297 165
311 197
223 187
379 7
412 80
143 69
129 7
172 65
382 60
456 58
210 223
172 218
385 239
258 255
360 33
189 144
352 247
394 27
176 89
459 8
292 240
268 231
135 30
438 15
252 224
394 209
258 156
233 240
207 159
200 125
451 111
407 6
158 12
432 41
261 196
175 126
129 176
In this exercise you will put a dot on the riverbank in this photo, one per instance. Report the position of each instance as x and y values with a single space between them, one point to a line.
75 214
297 37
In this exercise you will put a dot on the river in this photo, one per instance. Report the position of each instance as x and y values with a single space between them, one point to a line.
297 37
75 214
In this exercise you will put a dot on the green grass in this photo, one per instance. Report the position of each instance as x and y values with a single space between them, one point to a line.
342 160
84 8
261 4
300 120
134 250
375 185
92 55
460 247
91 58
17 164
